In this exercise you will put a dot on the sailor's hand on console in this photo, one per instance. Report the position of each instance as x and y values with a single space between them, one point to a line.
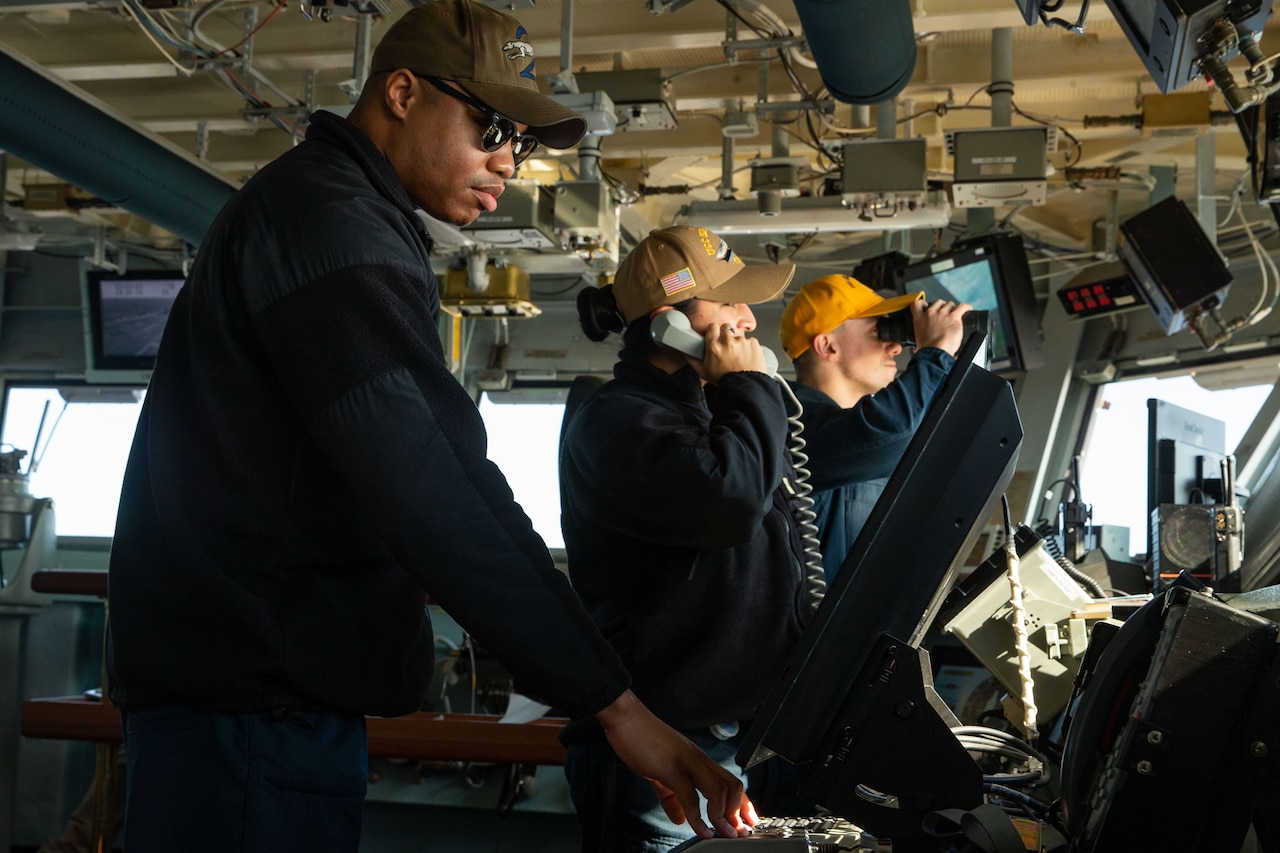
939 324
678 770
729 350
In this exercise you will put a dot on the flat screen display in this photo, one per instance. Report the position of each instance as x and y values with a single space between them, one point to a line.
992 274
970 280
126 317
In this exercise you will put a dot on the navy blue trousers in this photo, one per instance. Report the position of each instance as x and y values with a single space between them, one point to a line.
204 782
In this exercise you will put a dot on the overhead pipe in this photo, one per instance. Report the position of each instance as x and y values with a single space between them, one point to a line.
980 220
865 49
1001 88
724 191
67 132
887 120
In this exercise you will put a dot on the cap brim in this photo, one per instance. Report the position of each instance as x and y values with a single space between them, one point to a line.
753 284
888 306
554 124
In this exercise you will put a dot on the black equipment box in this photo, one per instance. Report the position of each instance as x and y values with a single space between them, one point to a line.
1177 268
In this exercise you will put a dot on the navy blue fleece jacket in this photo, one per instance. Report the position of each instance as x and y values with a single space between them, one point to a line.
306 469
681 539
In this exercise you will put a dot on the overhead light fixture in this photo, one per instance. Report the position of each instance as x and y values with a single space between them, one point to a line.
772 180
505 294
810 214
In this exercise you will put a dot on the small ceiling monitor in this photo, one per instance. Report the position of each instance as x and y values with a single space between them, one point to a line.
124 318
990 273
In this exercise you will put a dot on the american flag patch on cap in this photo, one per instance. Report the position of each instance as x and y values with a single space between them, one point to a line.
677 281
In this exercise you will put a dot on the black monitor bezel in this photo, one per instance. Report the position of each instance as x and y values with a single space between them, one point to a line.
98 359
1015 308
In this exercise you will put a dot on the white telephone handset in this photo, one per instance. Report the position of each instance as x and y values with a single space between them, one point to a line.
672 329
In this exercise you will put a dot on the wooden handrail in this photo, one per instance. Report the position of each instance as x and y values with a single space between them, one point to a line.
425 735
70 582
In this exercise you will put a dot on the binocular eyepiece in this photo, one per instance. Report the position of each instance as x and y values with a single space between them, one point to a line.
899 327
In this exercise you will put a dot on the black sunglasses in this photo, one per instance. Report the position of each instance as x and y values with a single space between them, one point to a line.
501 129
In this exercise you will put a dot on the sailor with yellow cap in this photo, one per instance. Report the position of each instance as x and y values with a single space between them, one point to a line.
858 417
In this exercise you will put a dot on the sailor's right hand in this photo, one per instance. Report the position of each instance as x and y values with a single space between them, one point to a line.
677 769
939 324
729 350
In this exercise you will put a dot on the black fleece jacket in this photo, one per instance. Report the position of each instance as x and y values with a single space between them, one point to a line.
680 537
306 469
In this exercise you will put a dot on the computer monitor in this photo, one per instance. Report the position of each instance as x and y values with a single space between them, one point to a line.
124 317
856 700
990 273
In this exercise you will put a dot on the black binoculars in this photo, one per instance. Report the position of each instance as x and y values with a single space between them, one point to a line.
899 327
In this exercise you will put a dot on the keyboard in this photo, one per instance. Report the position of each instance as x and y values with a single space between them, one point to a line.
824 834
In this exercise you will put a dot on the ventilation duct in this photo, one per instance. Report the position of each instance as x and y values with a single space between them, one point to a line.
865 49
66 132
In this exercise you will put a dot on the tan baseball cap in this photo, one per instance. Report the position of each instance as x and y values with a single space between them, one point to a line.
681 262
488 54
825 303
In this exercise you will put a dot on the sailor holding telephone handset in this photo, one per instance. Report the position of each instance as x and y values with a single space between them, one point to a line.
677 515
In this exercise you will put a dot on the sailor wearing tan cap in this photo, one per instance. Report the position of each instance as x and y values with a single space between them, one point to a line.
306 470
858 418
677 521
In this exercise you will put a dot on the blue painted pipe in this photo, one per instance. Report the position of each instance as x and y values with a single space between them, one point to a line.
865 49
65 132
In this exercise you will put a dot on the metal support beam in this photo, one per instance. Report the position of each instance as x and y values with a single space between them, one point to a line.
725 190
980 220
1001 77
1048 403
887 120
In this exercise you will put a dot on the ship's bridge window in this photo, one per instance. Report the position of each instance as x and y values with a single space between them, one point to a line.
524 440
1113 464
72 444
